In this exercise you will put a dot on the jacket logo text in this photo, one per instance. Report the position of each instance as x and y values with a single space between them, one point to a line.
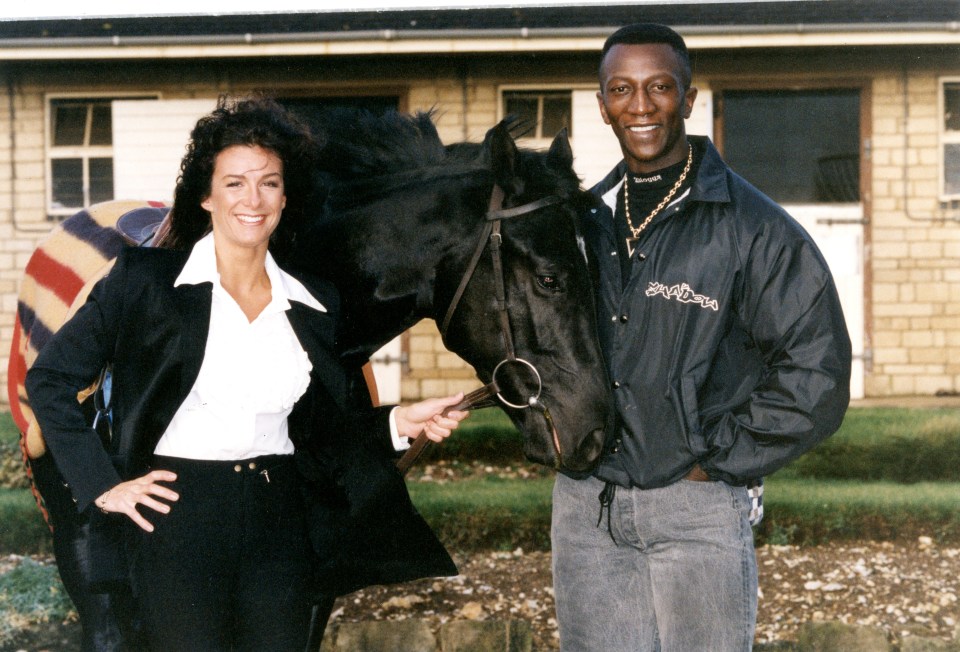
681 292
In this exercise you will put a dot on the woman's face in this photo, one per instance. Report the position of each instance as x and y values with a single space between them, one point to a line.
246 197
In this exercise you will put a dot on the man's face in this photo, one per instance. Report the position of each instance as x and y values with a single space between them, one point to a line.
643 99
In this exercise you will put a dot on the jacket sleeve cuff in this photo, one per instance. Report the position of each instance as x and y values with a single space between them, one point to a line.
377 428
84 496
400 443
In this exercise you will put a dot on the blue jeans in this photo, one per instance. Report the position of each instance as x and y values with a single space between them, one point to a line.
674 571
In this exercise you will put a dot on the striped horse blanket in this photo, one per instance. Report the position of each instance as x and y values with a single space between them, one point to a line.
58 277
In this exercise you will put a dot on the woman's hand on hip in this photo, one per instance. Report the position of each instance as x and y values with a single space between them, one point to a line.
124 497
433 416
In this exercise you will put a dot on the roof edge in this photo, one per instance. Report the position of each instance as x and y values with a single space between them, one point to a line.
951 27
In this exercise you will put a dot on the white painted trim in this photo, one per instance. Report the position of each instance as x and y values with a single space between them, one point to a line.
946 138
250 45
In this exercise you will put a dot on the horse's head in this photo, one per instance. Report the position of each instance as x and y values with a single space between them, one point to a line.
403 216
541 312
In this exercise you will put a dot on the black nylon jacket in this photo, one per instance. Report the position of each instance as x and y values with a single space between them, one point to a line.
727 347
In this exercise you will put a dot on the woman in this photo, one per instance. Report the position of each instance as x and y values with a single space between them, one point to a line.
231 449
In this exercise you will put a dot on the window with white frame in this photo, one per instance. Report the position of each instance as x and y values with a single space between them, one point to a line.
543 112
950 138
79 153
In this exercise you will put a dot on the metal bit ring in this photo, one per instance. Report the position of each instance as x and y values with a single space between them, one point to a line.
534 398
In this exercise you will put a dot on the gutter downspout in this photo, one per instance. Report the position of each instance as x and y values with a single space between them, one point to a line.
464 100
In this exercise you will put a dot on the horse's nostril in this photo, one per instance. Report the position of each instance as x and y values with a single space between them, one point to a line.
587 455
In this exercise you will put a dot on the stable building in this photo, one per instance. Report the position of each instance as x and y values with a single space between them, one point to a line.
845 112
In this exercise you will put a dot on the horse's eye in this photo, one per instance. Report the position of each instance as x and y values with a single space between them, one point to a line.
548 282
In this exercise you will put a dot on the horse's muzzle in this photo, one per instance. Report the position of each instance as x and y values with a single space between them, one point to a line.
586 455
564 455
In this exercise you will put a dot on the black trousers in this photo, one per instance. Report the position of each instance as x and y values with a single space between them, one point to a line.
230 567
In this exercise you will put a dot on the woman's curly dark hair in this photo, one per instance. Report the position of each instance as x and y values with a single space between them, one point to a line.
253 121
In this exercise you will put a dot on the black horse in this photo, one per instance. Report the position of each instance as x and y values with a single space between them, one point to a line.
403 227
404 232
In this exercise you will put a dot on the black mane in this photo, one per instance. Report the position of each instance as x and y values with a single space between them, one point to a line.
360 143
366 156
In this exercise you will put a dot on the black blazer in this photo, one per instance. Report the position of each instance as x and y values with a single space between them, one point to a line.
153 335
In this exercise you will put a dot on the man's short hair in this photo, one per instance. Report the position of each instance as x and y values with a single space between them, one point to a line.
644 33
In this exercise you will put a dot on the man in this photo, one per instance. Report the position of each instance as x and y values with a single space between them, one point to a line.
728 356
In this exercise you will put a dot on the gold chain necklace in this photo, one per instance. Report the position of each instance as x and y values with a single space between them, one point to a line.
635 230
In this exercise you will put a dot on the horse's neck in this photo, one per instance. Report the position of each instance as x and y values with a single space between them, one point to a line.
375 308
367 324
388 283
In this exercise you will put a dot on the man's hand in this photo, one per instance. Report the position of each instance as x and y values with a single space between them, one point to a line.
697 474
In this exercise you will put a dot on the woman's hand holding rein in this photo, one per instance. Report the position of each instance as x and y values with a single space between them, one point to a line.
124 497
431 416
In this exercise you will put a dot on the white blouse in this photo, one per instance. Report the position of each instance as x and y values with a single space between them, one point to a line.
252 372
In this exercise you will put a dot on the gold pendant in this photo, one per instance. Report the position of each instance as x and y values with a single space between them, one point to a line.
631 243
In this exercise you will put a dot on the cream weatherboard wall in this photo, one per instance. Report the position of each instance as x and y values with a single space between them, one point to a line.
149 140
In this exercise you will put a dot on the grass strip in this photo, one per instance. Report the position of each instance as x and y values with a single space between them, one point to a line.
804 511
487 435
12 473
31 594
895 444
861 483
502 514
8 431
23 531
487 513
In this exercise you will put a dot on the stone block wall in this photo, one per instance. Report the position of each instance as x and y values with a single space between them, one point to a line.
913 240
433 371
22 203
416 636
914 272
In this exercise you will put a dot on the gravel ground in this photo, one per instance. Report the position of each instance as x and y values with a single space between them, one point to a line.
907 589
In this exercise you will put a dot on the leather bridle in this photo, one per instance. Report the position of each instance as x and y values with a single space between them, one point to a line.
487 395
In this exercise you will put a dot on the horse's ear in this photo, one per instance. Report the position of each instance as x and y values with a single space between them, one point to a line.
560 154
503 156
